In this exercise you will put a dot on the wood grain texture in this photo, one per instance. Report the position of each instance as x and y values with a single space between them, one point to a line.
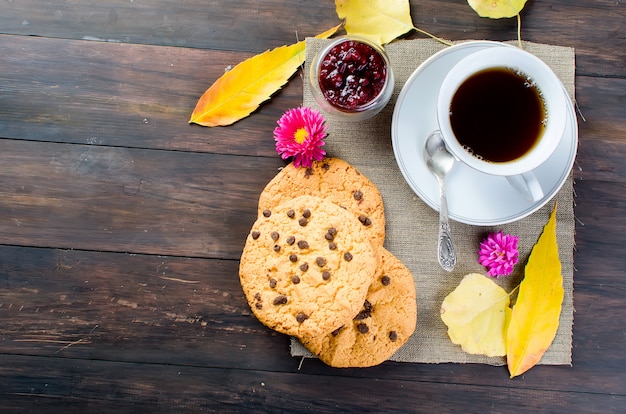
595 27
119 199
121 225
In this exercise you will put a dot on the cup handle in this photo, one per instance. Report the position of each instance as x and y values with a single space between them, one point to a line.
527 186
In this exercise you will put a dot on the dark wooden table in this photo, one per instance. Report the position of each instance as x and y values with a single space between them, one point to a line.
121 225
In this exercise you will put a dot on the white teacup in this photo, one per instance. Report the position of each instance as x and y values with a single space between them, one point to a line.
467 108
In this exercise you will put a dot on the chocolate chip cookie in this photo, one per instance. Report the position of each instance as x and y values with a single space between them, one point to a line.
337 181
385 322
306 266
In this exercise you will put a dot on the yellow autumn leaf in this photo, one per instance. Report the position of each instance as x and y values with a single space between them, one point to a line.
477 315
241 90
497 9
535 317
378 20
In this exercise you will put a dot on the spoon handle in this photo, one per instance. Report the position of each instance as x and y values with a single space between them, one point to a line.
445 247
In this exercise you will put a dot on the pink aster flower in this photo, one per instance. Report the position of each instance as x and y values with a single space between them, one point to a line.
300 134
498 252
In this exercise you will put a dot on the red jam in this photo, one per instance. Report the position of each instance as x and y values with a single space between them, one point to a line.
351 75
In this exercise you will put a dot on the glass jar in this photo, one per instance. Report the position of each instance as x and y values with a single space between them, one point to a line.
351 78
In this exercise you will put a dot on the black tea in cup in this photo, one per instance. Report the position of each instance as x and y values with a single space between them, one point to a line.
497 114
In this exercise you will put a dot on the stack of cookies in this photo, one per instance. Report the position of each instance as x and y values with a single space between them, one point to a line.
314 266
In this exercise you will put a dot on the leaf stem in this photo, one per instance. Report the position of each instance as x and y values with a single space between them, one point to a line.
445 42
519 31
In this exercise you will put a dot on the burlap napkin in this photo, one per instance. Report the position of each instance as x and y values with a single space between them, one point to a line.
412 225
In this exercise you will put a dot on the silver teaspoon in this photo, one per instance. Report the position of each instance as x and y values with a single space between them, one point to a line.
440 162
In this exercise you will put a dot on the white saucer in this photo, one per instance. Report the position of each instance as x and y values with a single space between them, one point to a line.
473 198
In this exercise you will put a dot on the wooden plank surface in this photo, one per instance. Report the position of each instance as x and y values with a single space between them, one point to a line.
596 27
131 200
121 225
90 305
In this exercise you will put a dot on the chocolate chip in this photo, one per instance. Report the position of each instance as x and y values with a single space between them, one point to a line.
363 328
293 257
326 166
326 275
347 256
280 300
255 234
365 313
361 315
303 222
291 213
308 172
306 213
332 246
291 240
331 233
273 283
385 280
393 336
358 195
336 331
276 248
257 296
320 261
303 244
304 267
365 221
267 213
275 236
258 305
295 279
301 317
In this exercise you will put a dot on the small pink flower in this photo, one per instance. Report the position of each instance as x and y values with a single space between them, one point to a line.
498 252
300 134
